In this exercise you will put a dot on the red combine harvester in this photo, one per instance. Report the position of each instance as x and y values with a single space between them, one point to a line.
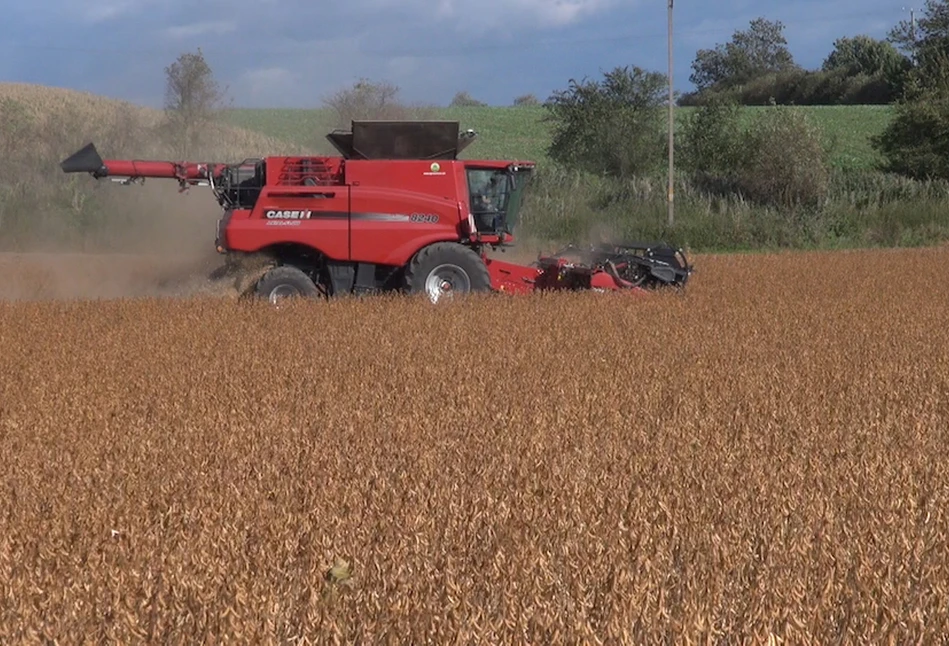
396 210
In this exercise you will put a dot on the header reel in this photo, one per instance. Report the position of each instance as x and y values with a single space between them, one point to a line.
629 265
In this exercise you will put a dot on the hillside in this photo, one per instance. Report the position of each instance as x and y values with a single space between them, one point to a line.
42 208
505 132
510 133
70 118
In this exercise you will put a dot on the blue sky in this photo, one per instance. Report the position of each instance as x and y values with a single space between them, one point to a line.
285 53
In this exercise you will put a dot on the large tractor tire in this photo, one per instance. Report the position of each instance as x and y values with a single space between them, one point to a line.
286 282
446 269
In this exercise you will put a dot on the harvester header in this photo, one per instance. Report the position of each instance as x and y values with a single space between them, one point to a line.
396 209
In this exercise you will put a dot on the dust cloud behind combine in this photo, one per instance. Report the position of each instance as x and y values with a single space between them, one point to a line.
72 237
166 248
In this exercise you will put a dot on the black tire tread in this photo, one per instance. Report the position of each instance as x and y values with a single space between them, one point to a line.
290 274
453 252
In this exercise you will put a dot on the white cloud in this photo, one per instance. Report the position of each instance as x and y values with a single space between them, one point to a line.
101 11
216 27
499 13
104 10
308 80
561 12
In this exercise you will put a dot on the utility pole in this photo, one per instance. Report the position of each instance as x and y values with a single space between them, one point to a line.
671 218
912 27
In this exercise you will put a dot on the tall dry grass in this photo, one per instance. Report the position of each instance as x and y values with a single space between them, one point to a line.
41 208
764 457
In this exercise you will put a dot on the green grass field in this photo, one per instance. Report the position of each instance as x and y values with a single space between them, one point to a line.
42 208
512 133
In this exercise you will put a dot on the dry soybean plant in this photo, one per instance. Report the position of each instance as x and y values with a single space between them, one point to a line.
763 458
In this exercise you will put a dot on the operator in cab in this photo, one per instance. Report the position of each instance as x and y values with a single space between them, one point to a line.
487 204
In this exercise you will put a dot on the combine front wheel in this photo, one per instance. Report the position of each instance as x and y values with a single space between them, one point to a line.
285 282
444 269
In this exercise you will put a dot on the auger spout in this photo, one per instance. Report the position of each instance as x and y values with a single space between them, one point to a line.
88 160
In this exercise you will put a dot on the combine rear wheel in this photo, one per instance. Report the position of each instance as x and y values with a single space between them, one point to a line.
445 269
281 283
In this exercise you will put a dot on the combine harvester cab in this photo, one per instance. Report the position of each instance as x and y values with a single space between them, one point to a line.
395 210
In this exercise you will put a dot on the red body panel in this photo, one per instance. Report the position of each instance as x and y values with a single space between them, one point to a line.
511 278
378 211
326 225
550 276
398 207
304 171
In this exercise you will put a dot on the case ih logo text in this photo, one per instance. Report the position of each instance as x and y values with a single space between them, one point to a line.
288 215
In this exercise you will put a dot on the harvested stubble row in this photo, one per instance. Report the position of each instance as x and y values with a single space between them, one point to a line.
766 456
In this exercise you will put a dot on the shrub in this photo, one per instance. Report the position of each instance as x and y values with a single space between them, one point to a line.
805 87
368 99
779 159
915 141
786 162
465 100
612 127
711 144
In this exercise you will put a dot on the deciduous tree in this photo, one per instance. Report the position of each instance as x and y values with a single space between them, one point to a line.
761 49
610 127
193 99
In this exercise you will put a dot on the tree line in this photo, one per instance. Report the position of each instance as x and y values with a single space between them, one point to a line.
910 70
756 67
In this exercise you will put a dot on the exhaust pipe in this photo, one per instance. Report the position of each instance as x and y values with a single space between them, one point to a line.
85 160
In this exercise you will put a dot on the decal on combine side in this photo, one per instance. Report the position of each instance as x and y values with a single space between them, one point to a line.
424 217
288 215
435 169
